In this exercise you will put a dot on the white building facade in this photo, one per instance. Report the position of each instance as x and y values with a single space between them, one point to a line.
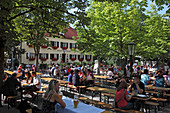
62 50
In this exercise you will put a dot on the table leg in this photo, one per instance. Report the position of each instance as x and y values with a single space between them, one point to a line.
100 97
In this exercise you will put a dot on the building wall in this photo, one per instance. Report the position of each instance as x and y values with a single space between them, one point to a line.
50 50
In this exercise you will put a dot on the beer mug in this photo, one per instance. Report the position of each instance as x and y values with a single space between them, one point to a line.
76 101
61 94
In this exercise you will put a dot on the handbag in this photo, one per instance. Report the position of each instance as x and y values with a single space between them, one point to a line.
119 99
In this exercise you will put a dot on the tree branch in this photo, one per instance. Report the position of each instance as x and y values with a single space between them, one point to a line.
21 14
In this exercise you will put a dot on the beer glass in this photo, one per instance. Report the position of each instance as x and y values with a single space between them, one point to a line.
61 94
75 101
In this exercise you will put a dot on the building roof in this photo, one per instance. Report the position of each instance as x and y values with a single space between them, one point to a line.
70 33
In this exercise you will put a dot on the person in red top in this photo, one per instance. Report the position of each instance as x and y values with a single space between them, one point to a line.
123 103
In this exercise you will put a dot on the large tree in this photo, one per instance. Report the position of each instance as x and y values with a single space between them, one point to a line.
54 9
112 26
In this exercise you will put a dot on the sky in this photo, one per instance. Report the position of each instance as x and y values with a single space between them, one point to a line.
147 8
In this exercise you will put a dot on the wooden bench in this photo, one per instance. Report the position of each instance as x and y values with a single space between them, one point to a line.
97 83
39 93
108 95
43 87
163 100
9 98
148 103
96 103
151 92
126 111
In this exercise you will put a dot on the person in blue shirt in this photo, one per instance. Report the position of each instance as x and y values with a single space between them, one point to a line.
159 82
145 78
70 77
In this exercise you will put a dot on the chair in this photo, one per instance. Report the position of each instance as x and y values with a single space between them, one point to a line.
9 98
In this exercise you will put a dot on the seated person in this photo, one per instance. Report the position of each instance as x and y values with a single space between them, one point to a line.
10 87
29 78
159 82
36 85
110 73
76 78
122 98
145 78
120 79
90 77
137 85
51 97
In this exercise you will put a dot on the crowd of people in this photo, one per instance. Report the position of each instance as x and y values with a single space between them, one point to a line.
84 75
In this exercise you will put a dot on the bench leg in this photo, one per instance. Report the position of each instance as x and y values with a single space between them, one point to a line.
8 103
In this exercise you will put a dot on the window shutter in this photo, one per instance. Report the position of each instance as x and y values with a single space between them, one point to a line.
27 56
86 56
78 56
40 56
70 56
57 44
52 43
57 56
70 45
51 56
46 55
61 44
67 45
75 56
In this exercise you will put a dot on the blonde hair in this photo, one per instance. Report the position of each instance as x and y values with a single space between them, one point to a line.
51 88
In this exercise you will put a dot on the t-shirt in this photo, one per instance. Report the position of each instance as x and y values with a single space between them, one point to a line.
70 78
75 79
141 85
36 80
122 103
110 73
159 82
145 78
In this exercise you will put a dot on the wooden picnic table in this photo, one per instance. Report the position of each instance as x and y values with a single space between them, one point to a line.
48 79
37 73
157 88
62 81
11 72
102 77
101 90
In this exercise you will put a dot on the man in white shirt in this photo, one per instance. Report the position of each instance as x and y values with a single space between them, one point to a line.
110 73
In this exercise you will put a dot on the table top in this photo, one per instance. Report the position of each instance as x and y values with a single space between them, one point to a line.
11 72
142 97
47 79
81 108
105 90
157 88
103 77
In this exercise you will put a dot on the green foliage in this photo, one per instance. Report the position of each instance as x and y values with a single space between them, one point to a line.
113 25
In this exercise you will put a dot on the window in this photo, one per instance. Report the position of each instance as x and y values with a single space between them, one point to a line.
65 44
43 55
73 56
32 55
88 56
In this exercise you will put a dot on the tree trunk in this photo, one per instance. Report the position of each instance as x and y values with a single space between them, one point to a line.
2 46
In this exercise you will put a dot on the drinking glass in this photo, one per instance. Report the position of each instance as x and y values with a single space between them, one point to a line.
76 101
